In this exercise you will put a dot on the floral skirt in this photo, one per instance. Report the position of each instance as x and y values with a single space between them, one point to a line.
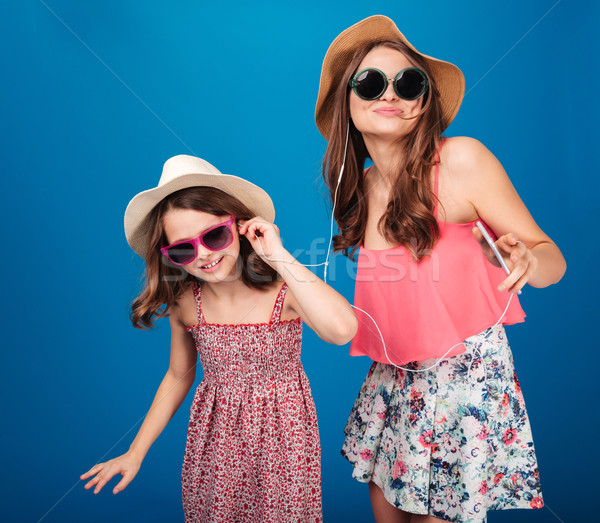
453 441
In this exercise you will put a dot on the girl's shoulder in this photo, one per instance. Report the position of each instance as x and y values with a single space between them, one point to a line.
468 161
467 169
185 308
291 307
463 150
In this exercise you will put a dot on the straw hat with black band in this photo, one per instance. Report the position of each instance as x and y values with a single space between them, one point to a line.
182 172
448 78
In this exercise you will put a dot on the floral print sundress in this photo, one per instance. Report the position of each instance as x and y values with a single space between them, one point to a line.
253 452
453 441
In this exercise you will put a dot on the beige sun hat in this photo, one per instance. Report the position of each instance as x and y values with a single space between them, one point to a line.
181 172
448 78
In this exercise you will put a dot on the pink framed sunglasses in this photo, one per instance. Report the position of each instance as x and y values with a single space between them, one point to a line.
214 239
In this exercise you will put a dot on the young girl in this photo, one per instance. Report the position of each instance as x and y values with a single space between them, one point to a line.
439 429
252 451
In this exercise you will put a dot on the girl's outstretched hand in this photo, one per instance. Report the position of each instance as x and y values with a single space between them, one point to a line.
270 245
126 465
520 260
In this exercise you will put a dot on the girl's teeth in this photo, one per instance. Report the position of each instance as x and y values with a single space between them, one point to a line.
211 264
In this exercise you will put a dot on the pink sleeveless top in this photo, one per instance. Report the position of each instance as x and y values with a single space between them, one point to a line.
424 308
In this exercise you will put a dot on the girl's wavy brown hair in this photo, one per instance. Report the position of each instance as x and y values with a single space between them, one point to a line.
409 218
165 282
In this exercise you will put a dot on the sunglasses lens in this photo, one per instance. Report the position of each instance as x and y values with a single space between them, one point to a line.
182 254
218 238
369 84
410 84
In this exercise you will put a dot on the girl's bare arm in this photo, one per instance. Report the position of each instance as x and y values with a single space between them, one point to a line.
320 306
530 254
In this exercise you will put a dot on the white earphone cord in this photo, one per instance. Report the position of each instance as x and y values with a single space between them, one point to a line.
326 263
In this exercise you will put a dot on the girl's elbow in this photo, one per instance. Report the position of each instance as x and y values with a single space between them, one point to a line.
563 269
345 331
183 377
559 271
551 278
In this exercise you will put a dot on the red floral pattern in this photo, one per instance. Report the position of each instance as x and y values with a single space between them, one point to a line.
253 451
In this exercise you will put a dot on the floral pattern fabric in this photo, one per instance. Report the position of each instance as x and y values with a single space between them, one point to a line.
252 451
453 441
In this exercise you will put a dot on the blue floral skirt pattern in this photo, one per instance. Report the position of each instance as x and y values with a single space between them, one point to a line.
453 441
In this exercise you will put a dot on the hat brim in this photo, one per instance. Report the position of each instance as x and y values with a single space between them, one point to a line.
448 78
255 198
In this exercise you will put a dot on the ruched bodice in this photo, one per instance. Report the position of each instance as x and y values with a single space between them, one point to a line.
233 355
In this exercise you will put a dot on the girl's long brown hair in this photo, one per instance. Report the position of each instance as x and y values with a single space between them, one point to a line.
409 218
165 282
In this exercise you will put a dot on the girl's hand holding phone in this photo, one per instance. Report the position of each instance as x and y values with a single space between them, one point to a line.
520 261
127 465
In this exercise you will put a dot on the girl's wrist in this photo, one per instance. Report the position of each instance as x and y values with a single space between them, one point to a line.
136 456
279 258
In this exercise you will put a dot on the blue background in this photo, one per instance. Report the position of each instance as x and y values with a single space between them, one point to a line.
95 96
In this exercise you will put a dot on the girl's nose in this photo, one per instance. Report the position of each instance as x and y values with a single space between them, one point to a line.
389 93
202 253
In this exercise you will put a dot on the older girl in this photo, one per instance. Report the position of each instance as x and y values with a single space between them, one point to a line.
439 429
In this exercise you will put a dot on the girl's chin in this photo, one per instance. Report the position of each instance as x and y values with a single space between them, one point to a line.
392 130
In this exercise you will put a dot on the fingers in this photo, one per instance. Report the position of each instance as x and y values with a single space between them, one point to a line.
102 478
263 236
521 281
257 225
256 230
522 263
509 242
125 480
92 471
247 224
478 236
92 482
104 473
485 248
516 280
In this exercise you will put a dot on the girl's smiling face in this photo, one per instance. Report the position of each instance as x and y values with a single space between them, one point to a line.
389 116
209 266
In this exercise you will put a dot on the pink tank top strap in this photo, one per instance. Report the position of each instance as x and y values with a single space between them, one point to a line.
277 308
436 178
198 295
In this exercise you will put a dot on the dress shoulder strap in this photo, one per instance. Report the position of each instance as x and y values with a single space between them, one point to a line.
198 295
277 308
436 178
